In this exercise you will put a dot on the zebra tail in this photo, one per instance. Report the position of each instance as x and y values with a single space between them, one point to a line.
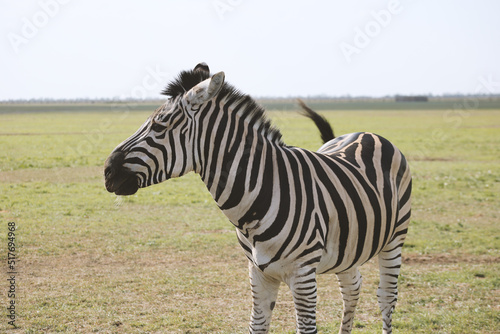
323 125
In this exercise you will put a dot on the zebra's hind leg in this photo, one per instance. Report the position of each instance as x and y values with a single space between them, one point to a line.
350 288
387 293
264 294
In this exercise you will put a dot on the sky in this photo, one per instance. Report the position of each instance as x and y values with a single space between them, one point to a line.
132 49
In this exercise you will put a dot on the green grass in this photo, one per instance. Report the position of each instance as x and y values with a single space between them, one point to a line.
167 261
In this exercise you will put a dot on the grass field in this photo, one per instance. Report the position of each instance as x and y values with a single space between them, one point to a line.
167 261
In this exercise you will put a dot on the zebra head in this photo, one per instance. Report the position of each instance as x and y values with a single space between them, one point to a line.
163 147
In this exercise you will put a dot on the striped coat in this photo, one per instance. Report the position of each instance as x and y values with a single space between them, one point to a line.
297 213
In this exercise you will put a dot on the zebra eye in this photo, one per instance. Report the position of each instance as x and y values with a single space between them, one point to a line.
157 127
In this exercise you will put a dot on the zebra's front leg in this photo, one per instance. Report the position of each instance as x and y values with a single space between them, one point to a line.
304 292
350 287
264 293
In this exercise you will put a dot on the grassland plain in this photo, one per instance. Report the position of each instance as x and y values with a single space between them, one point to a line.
167 261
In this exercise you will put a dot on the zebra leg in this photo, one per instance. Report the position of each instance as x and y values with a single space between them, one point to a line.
387 293
304 291
264 293
350 288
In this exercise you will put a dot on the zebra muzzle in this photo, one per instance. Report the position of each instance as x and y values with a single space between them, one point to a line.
119 179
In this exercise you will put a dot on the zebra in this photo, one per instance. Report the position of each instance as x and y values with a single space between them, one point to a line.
297 213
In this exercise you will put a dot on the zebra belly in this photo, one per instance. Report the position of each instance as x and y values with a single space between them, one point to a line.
351 243
330 258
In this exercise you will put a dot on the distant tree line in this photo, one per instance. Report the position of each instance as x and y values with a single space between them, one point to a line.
411 98
317 98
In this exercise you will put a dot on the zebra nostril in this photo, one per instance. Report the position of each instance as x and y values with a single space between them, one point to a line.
113 164
109 172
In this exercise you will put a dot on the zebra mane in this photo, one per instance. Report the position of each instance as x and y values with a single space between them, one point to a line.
252 112
248 109
185 81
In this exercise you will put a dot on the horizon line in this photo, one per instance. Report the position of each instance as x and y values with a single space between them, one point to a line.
341 98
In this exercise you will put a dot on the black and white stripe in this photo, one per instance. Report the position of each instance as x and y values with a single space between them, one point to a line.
297 213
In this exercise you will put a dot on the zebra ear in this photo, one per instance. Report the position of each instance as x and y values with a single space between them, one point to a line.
202 67
206 90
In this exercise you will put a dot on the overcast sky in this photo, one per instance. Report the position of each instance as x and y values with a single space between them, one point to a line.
125 48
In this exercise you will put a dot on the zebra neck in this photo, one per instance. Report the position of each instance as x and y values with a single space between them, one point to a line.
234 150
241 177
